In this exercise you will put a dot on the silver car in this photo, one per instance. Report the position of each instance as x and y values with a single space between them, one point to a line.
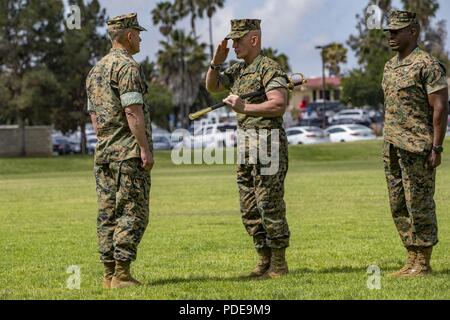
307 135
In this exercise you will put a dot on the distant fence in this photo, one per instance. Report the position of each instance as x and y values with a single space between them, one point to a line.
36 141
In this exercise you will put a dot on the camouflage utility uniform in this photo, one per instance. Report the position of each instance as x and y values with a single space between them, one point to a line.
408 142
123 186
261 196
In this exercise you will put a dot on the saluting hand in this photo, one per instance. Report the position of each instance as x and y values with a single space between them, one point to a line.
221 53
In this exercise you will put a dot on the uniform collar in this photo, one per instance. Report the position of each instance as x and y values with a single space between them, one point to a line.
120 50
254 63
408 60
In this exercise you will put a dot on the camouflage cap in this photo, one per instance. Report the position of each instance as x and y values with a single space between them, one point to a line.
125 21
240 28
401 19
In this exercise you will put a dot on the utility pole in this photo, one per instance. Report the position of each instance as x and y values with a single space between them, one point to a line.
322 48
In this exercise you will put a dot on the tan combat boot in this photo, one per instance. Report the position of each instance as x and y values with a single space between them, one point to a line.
422 265
278 264
263 264
108 274
122 276
410 260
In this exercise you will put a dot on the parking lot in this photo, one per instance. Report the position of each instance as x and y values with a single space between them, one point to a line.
332 124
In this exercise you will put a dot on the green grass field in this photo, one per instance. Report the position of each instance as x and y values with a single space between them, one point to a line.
196 247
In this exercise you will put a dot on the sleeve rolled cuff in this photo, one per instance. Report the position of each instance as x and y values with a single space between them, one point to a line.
277 83
89 106
433 89
131 98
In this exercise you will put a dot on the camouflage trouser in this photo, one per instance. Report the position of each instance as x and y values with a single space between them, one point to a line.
123 190
411 192
261 200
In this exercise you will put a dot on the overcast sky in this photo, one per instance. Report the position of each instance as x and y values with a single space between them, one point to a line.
293 27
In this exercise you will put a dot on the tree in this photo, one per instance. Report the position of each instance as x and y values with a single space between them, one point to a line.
30 35
182 62
80 51
371 45
432 37
281 58
197 9
361 89
372 50
180 68
159 98
40 95
333 55
189 7
7 112
434 42
425 9
211 7
150 70
164 15
44 65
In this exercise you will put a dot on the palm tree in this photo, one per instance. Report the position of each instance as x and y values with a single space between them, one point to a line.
188 7
333 55
150 69
182 63
165 15
210 6
370 44
281 58
425 9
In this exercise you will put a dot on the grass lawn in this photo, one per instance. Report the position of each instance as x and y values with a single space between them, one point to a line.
196 247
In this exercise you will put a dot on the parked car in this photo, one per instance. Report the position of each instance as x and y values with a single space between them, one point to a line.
319 122
376 116
75 145
175 137
327 106
359 115
212 135
348 133
350 121
159 130
307 135
91 142
89 130
61 145
161 142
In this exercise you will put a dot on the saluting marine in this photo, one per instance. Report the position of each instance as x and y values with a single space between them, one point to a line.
261 195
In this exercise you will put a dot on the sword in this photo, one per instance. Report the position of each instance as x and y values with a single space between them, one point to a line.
295 80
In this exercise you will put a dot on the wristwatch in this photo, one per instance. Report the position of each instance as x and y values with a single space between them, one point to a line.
438 149
216 67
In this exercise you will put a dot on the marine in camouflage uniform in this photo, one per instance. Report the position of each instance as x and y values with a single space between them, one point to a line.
123 185
408 143
261 195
